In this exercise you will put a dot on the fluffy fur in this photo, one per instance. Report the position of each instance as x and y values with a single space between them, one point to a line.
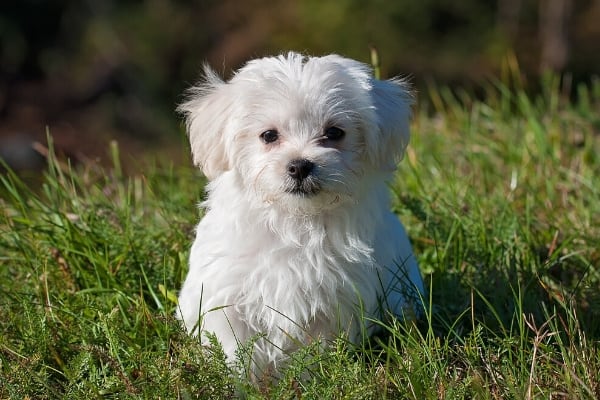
286 257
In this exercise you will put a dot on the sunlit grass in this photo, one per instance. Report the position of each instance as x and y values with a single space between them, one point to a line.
501 199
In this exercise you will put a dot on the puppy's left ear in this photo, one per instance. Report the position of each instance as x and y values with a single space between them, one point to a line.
392 101
208 111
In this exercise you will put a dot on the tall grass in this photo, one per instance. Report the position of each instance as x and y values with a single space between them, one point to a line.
501 198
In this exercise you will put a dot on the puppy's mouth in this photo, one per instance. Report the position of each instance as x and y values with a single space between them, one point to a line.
306 188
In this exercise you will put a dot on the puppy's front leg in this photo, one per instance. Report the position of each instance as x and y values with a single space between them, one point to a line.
229 329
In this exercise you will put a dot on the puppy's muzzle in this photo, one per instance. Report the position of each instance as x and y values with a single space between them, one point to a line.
302 180
299 170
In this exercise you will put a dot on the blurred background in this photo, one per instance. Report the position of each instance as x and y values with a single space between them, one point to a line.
92 71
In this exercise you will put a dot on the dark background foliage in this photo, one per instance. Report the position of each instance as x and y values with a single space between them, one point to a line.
92 71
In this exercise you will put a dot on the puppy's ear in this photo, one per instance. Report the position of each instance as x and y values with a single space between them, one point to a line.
392 101
207 111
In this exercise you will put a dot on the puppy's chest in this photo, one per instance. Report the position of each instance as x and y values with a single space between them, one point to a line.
293 275
304 280
299 268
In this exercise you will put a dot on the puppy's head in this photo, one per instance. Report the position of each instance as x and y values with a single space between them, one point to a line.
300 132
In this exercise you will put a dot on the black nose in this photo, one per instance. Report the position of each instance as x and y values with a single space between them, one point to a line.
299 169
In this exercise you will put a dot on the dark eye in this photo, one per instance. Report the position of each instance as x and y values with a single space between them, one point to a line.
334 133
269 136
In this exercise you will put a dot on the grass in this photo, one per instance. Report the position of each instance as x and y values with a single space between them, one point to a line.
501 199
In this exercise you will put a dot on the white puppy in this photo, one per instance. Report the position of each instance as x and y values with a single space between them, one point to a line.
298 242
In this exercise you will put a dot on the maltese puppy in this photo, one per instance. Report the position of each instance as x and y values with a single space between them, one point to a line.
298 242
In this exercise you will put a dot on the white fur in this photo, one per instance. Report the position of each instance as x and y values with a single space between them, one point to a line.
295 268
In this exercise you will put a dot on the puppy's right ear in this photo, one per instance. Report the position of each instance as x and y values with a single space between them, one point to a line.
207 110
